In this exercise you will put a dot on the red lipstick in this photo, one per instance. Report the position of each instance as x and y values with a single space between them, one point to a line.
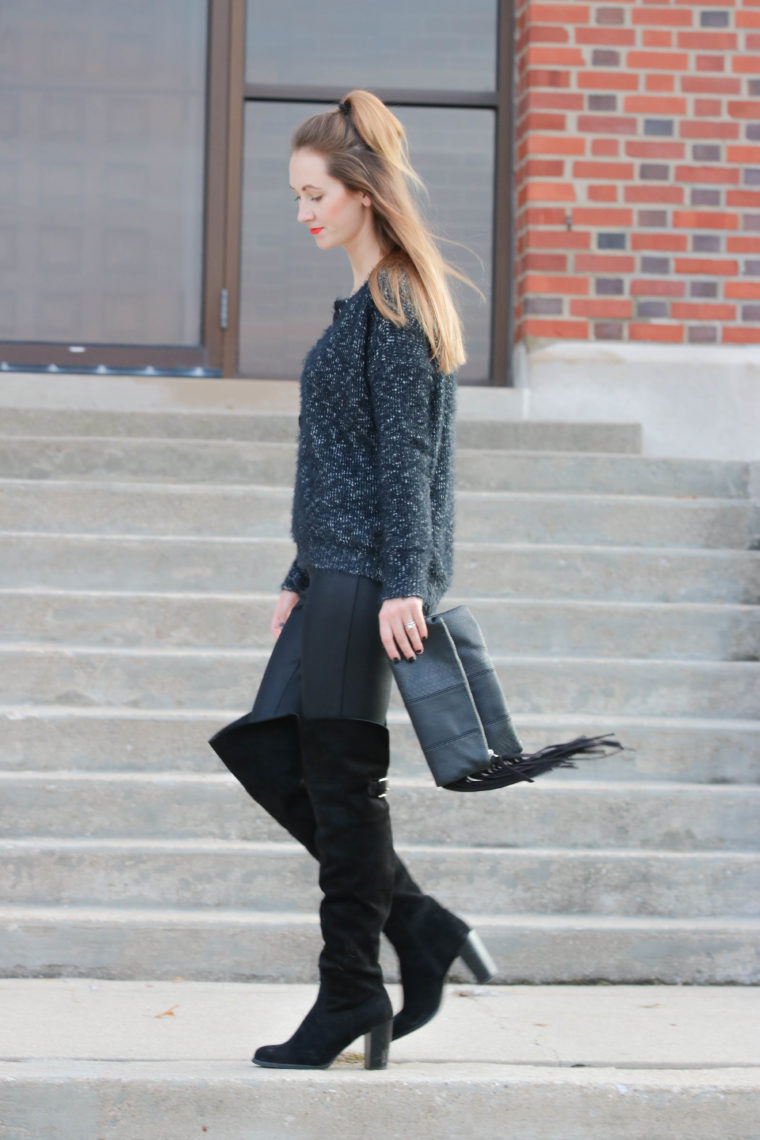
316 230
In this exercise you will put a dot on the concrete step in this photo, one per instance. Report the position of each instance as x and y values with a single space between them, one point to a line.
279 426
487 470
246 945
483 570
687 631
262 511
81 1059
118 459
221 1017
118 739
175 805
281 876
617 520
60 1098
183 678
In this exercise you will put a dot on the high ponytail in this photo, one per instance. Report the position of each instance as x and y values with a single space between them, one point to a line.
365 147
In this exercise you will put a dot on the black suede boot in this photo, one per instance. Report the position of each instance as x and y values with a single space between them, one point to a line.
345 763
265 757
428 939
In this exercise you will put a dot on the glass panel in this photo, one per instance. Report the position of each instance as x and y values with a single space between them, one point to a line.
102 119
288 284
448 45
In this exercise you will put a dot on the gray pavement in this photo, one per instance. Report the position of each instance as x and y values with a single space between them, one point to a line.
609 1026
85 1059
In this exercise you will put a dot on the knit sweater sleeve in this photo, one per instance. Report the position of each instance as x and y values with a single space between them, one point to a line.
401 377
296 579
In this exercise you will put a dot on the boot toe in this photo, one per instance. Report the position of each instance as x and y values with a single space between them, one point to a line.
279 1057
266 1055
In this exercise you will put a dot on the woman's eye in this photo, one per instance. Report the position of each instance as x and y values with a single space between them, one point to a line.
319 199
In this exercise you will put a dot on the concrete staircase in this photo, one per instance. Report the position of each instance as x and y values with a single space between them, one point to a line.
138 556
139 552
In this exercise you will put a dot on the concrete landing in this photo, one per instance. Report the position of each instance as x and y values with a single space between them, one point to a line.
95 1060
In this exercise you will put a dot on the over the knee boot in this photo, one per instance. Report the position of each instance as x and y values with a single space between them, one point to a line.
345 763
265 757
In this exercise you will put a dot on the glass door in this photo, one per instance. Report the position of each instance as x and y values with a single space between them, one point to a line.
443 70
104 113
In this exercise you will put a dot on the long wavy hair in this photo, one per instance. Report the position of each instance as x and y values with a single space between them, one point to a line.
365 147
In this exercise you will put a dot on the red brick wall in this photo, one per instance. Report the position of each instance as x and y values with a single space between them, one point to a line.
638 170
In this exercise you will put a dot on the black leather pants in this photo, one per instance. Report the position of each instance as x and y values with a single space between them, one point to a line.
329 660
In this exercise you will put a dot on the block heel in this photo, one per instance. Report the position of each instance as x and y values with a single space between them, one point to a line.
377 1045
477 959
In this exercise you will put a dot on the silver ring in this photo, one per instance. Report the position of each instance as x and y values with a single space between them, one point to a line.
411 625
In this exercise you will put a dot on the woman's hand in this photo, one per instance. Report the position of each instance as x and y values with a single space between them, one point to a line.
285 603
402 627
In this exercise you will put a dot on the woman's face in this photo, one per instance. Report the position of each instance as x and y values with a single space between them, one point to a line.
335 215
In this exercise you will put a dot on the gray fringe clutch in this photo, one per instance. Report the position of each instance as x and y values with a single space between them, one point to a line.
457 708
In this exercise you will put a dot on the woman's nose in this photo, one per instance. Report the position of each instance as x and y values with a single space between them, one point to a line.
305 212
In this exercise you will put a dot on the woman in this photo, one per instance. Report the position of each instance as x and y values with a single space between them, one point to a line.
373 525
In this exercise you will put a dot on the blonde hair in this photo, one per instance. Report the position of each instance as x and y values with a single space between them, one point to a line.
366 149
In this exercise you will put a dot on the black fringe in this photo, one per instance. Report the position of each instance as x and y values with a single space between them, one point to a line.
507 770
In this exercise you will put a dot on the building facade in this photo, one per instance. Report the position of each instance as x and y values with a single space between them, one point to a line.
638 171
593 167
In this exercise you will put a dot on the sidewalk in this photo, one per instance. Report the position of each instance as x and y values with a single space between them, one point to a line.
98 1060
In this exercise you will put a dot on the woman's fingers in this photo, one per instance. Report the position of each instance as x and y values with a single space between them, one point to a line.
402 627
409 638
389 642
421 624
282 609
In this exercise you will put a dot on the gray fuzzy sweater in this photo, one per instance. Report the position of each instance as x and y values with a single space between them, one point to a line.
374 491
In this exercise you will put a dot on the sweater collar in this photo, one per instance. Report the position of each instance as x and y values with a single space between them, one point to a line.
340 302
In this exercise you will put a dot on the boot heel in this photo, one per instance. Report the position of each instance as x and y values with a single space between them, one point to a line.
476 958
377 1044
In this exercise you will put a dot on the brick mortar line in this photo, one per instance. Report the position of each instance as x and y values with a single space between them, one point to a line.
690 67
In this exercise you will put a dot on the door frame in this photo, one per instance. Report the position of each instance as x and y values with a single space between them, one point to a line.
224 183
